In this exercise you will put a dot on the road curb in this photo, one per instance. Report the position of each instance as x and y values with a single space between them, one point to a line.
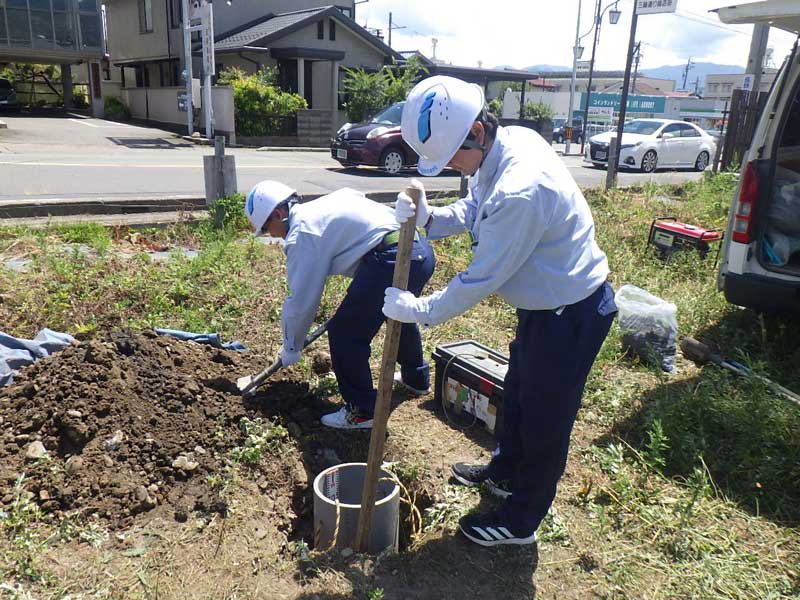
62 207
290 149
138 207
134 221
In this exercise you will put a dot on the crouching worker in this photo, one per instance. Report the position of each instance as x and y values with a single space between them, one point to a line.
342 233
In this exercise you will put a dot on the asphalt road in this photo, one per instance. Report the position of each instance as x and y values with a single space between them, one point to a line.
73 157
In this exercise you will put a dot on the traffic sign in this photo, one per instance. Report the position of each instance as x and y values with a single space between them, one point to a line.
651 7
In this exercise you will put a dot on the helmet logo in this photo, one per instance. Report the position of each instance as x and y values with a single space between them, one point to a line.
424 121
250 205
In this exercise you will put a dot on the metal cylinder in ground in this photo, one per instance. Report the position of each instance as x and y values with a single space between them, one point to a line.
337 498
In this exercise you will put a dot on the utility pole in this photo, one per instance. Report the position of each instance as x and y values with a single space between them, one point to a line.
697 86
758 48
638 52
572 83
391 27
187 68
598 20
613 157
689 66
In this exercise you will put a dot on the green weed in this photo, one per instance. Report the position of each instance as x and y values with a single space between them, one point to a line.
262 438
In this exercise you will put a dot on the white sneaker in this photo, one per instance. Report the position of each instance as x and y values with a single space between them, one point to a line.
398 379
344 418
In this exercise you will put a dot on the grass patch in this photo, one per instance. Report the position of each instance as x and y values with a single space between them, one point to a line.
678 486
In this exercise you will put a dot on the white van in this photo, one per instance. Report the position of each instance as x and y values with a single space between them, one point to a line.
760 267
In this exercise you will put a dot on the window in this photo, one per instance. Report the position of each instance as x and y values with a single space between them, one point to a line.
320 30
687 131
19 27
90 24
3 32
65 32
674 128
332 30
175 13
91 37
41 25
145 16
345 11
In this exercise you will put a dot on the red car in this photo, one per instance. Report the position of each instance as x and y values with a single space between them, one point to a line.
376 143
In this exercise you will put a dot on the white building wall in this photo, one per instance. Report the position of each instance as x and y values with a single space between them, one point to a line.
124 40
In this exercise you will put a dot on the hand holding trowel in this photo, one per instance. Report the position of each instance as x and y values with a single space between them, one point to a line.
249 383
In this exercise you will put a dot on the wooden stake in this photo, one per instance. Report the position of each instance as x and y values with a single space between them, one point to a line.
382 404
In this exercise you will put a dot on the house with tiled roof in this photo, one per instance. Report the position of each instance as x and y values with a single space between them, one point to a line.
308 44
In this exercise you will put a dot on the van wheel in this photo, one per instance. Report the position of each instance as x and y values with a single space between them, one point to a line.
702 162
559 139
649 161
392 160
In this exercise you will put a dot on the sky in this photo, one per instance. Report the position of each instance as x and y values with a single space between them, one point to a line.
521 33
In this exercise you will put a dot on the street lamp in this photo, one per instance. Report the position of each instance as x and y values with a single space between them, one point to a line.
613 17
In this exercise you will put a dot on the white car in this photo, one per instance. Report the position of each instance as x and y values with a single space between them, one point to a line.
650 144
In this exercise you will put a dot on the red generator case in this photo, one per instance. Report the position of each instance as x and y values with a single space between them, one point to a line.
669 235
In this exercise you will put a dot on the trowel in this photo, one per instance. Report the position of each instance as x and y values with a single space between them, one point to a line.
250 383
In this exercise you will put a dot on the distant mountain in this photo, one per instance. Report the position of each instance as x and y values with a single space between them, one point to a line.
700 69
546 68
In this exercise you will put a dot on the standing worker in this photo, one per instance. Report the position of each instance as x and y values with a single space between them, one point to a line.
343 233
533 244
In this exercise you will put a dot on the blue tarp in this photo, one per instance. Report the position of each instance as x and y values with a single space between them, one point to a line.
212 339
16 353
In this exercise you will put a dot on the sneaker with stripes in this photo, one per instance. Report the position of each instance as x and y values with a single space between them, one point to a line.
475 475
489 530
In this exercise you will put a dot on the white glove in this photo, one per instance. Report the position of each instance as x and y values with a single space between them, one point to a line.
289 357
404 208
403 306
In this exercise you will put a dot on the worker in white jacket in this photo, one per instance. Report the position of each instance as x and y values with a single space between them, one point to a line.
533 241
343 233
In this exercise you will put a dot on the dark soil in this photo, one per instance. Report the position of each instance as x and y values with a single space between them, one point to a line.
133 423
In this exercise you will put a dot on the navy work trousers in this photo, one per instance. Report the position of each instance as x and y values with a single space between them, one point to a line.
359 318
550 359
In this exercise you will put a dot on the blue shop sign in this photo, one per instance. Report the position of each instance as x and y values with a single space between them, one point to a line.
636 104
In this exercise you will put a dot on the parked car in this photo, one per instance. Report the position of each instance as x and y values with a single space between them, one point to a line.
376 142
560 131
648 144
8 95
760 265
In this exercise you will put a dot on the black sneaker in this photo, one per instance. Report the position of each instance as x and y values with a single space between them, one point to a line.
489 530
475 475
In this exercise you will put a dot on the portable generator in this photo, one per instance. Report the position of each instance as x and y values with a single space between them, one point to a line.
669 235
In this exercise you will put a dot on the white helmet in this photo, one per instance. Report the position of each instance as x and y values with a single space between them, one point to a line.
262 200
437 117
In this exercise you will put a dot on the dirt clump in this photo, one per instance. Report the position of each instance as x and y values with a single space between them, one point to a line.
124 424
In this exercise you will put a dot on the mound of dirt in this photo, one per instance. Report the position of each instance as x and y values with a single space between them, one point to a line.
125 424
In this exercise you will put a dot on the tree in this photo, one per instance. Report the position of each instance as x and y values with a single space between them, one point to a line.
261 107
368 93
536 111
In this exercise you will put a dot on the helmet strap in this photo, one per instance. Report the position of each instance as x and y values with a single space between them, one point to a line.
473 145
